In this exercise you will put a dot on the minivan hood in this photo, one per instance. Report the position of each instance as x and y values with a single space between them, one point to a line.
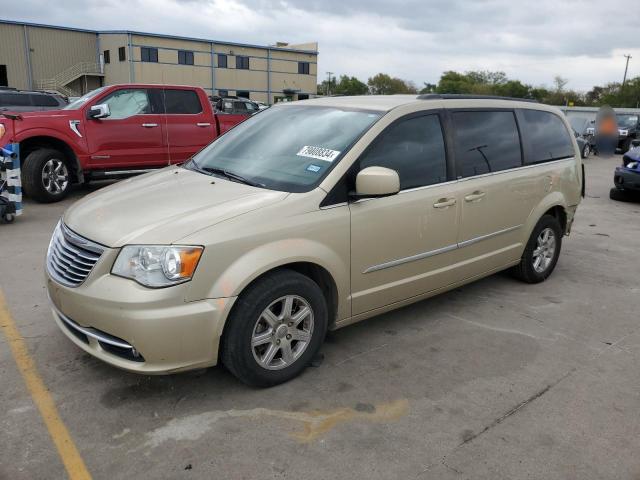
162 207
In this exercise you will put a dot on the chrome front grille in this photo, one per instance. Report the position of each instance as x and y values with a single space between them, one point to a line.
71 257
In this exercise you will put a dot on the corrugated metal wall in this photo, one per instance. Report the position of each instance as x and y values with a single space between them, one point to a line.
53 51
12 54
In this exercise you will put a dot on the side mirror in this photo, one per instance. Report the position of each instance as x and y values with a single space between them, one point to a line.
374 182
98 111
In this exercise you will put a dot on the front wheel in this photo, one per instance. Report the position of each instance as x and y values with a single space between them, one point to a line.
542 251
275 329
620 195
46 175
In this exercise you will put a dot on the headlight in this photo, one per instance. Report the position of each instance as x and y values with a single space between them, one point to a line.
156 265
623 133
632 165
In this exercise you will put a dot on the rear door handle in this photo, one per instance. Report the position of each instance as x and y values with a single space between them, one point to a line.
475 196
203 124
149 125
444 203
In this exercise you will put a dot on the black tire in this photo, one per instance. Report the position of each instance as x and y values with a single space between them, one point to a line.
237 353
586 150
625 146
619 195
525 270
37 164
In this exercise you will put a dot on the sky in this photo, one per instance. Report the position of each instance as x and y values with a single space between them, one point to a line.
582 41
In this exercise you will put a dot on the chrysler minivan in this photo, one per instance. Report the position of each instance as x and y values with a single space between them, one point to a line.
310 216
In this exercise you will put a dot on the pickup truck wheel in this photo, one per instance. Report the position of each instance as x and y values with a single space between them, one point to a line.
542 251
46 175
275 329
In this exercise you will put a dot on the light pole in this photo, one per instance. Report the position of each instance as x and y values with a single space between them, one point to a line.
328 89
624 79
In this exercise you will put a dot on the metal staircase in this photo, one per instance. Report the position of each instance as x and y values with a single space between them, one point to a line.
61 81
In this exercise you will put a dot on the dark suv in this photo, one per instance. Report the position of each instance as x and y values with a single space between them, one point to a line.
13 100
628 129
234 105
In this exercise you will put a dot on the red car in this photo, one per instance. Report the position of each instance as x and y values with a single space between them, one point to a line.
113 131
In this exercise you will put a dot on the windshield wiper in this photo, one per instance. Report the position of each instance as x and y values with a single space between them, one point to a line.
232 176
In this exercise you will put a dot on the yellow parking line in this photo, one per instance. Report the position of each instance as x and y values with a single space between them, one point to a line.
59 434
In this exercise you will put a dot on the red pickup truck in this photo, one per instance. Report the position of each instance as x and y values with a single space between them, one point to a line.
113 131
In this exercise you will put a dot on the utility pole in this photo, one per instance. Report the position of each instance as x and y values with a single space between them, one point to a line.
624 79
328 89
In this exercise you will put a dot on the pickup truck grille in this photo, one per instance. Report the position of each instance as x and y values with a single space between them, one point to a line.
70 257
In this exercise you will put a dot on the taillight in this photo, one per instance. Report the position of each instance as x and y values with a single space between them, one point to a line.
2 130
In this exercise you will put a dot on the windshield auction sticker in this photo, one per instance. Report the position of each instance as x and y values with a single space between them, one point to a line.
318 153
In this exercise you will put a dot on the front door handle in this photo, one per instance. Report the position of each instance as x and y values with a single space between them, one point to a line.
444 203
203 124
475 196
149 125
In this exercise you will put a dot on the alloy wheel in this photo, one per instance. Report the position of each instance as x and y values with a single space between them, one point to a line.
55 176
545 250
282 332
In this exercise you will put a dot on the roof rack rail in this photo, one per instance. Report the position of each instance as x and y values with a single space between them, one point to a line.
463 96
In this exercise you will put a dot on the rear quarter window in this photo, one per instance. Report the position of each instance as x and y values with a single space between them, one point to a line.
14 100
546 135
182 102
44 101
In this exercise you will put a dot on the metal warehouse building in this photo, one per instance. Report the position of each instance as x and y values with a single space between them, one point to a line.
74 61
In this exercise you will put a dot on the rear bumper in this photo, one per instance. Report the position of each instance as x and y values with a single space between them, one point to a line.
626 179
140 330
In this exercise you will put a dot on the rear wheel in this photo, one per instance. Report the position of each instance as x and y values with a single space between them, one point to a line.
46 175
276 327
541 253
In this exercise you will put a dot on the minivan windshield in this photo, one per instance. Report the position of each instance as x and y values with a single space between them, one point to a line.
288 148
79 102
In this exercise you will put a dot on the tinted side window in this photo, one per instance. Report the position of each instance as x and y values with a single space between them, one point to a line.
547 136
182 102
414 148
485 142
14 100
44 101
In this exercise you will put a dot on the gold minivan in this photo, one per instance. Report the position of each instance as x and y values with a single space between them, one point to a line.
311 216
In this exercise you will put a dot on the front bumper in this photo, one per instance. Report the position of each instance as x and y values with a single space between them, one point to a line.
626 179
150 331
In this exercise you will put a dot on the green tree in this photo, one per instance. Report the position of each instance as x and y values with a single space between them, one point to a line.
513 88
383 84
428 88
453 82
350 86
327 86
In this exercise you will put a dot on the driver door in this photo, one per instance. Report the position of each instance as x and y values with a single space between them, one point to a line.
405 244
132 135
